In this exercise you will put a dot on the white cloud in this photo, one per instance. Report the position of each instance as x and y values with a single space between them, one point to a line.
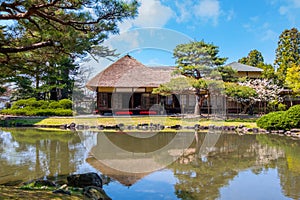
151 13
230 15
262 31
269 35
296 3
207 8
290 9
184 12
283 10
204 10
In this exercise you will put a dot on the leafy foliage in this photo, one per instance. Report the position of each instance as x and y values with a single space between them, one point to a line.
281 120
272 121
32 107
269 72
174 86
293 78
287 52
292 116
42 40
254 58
227 73
59 26
239 92
195 59
275 105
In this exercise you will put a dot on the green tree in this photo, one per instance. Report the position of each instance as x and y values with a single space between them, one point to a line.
293 78
269 71
197 60
176 85
254 58
242 94
227 73
36 32
287 52
66 26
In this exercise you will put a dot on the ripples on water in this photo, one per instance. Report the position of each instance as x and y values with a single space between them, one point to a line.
225 166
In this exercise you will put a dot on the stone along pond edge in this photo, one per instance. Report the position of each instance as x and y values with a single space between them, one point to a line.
23 121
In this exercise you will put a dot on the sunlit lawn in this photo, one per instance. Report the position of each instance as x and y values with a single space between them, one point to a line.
135 120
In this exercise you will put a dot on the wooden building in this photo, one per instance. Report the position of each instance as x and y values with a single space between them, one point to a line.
246 70
125 87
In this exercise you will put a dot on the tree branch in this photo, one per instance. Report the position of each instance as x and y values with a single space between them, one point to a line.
26 48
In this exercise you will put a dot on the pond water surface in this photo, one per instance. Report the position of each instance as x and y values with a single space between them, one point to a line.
224 166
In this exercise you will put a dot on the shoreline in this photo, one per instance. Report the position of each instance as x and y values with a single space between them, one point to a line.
143 124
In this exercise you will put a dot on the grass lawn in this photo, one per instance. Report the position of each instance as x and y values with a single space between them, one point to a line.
16 193
166 121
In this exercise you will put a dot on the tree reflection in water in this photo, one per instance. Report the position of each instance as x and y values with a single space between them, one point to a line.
201 172
201 176
27 154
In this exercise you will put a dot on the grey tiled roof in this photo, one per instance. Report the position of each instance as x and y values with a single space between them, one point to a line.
244 68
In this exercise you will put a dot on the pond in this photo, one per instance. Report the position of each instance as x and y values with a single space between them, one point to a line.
158 166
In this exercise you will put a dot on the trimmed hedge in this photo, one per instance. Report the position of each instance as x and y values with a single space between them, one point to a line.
32 107
292 117
281 120
38 112
272 121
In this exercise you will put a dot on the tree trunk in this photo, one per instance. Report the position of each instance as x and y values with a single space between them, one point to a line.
246 106
199 103
53 94
197 109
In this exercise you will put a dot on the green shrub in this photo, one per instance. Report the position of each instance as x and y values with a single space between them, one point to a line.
281 107
19 104
37 112
292 117
25 103
63 112
273 121
43 104
32 107
65 104
275 105
281 120
54 105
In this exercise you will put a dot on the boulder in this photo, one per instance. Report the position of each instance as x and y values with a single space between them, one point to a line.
61 191
100 127
94 193
241 126
177 127
72 126
41 183
295 130
83 180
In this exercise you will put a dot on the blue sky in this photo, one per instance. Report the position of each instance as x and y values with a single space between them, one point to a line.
235 26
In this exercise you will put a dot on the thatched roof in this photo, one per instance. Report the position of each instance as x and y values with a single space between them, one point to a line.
128 72
125 178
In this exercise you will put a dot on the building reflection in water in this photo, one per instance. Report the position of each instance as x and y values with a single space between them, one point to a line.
202 165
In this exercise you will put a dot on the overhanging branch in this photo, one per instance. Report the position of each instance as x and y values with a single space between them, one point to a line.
5 50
